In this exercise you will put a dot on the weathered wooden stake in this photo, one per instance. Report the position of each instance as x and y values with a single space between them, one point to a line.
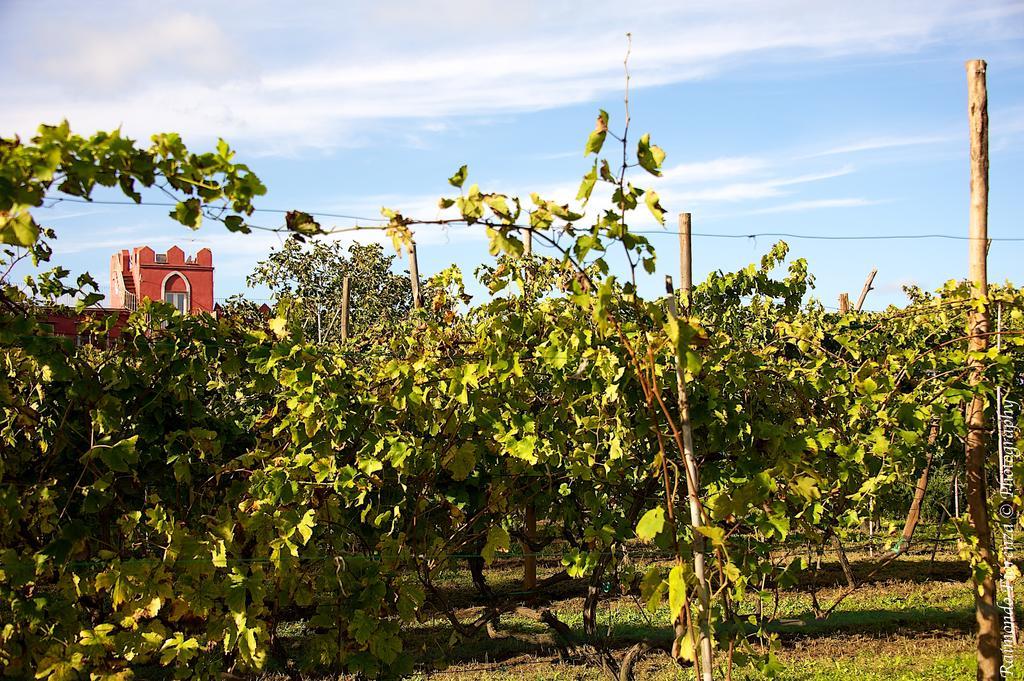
529 557
956 494
414 276
685 258
693 496
844 303
914 515
690 460
344 308
986 611
867 287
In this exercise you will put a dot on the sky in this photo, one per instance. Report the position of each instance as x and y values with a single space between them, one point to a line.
810 117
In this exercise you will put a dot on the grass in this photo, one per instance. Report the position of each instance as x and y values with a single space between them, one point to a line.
912 621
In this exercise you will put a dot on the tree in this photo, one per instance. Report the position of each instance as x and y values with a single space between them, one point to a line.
308 282
241 310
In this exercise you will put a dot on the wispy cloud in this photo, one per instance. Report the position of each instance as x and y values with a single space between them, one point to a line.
877 143
177 74
109 56
555 156
674 190
715 169
814 204
78 214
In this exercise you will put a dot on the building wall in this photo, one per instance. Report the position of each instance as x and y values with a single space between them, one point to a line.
150 277
68 322
119 262
146 274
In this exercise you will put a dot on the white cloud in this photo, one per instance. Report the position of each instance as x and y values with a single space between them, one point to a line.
330 76
714 169
674 193
813 204
114 55
877 143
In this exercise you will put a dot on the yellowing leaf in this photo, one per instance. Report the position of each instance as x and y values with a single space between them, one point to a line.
649 156
654 205
715 534
684 648
676 591
497 539
806 487
220 557
587 185
459 177
651 524
596 139
305 526
279 326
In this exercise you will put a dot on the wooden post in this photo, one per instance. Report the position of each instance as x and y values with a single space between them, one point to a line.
414 276
956 494
344 309
986 611
689 458
685 258
914 515
867 287
529 557
844 303
693 496
871 527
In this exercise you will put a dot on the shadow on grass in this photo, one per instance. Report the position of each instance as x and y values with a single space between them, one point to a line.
916 569
877 612
879 623
863 624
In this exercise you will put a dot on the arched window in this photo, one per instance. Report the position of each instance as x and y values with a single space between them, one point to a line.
177 291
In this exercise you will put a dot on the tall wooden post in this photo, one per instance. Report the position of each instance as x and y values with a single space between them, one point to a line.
344 308
414 276
844 303
867 287
956 495
985 608
529 557
914 515
689 457
530 519
685 258
693 497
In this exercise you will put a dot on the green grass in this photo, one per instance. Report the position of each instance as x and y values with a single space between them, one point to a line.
913 621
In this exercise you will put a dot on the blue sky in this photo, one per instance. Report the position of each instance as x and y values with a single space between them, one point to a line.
828 118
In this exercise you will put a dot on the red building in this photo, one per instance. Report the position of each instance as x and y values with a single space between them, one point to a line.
186 283
140 274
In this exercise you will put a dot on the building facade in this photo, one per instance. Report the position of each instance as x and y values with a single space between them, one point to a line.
185 282
137 275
